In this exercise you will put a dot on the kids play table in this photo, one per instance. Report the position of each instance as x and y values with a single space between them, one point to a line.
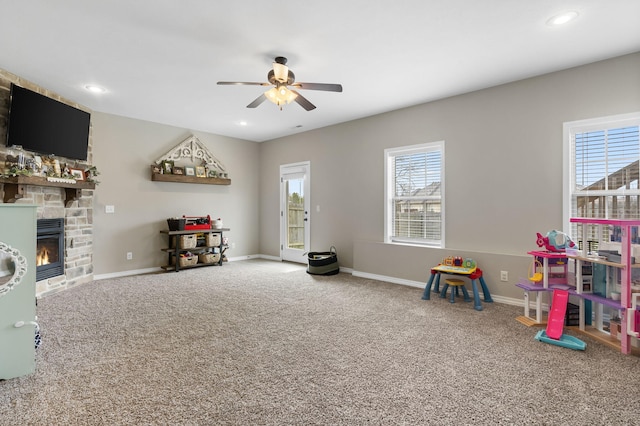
474 274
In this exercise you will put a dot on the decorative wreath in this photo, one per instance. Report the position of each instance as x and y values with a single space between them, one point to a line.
20 263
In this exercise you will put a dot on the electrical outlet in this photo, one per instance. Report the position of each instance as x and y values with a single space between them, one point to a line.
504 276
109 209
129 255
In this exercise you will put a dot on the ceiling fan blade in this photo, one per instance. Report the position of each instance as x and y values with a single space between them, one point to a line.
260 99
242 83
303 102
319 86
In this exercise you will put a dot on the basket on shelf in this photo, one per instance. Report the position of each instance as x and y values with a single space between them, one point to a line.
186 241
209 257
213 239
185 261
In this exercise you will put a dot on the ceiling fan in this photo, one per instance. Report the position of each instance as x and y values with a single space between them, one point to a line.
281 94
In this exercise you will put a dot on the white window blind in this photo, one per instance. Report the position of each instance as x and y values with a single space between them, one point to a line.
415 210
604 172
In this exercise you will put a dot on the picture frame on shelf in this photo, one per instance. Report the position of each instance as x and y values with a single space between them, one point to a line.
167 167
77 174
201 171
178 170
190 171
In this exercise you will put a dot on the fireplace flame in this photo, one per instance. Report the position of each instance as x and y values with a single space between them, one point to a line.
42 257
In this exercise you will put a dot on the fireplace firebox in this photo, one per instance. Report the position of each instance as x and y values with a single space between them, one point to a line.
50 248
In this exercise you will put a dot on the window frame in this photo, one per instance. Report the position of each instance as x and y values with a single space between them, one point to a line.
389 193
570 129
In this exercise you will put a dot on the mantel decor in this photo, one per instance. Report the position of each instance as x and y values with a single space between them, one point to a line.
14 186
202 166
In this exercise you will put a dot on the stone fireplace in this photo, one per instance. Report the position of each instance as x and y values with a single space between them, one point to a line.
72 203
77 229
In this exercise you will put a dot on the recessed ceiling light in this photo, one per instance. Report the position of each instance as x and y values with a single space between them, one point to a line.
95 89
562 18
243 123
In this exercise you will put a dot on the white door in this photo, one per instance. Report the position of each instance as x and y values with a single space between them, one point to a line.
295 199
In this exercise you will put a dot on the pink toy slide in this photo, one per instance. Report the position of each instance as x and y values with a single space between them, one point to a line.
557 313
555 325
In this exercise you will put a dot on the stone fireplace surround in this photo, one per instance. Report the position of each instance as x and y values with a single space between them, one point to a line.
50 202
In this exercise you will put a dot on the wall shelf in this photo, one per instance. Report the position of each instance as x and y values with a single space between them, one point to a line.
14 187
159 177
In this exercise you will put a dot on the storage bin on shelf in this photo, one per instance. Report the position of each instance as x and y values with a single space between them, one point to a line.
197 222
186 260
176 224
187 241
209 258
213 239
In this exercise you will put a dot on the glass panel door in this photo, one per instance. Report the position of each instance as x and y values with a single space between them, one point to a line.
294 212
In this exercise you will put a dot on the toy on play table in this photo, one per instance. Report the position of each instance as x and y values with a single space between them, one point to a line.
555 241
457 265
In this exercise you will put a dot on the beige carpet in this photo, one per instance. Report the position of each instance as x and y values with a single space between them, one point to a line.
263 343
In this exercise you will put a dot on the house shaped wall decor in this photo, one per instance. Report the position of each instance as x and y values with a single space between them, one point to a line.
191 148
192 151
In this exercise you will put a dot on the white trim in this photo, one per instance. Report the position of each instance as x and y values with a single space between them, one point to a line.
388 189
360 274
422 284
126 273
304 169
267 257
158 269
393 280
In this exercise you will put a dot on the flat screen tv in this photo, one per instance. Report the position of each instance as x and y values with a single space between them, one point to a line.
46 126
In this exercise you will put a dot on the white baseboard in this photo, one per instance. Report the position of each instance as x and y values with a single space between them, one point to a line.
126 273
393 280
158 269
418 284
267 257
422 284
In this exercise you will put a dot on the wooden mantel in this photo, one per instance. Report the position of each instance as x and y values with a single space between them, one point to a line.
14 187
159 177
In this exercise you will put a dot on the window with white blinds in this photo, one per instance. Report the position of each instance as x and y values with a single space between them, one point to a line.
414 210
603 170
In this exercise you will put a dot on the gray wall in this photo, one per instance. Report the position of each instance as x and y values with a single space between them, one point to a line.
123 151
503 159
503 177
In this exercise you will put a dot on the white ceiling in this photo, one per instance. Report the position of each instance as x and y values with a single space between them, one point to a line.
160 59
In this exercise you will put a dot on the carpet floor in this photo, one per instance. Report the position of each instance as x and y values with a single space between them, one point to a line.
263 343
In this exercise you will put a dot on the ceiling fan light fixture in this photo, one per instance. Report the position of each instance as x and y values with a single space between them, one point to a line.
281 72
280 95
281 77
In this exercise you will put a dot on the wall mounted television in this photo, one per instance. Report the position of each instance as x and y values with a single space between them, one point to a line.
46 126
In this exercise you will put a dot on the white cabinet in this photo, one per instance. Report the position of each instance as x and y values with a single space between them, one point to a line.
17 290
